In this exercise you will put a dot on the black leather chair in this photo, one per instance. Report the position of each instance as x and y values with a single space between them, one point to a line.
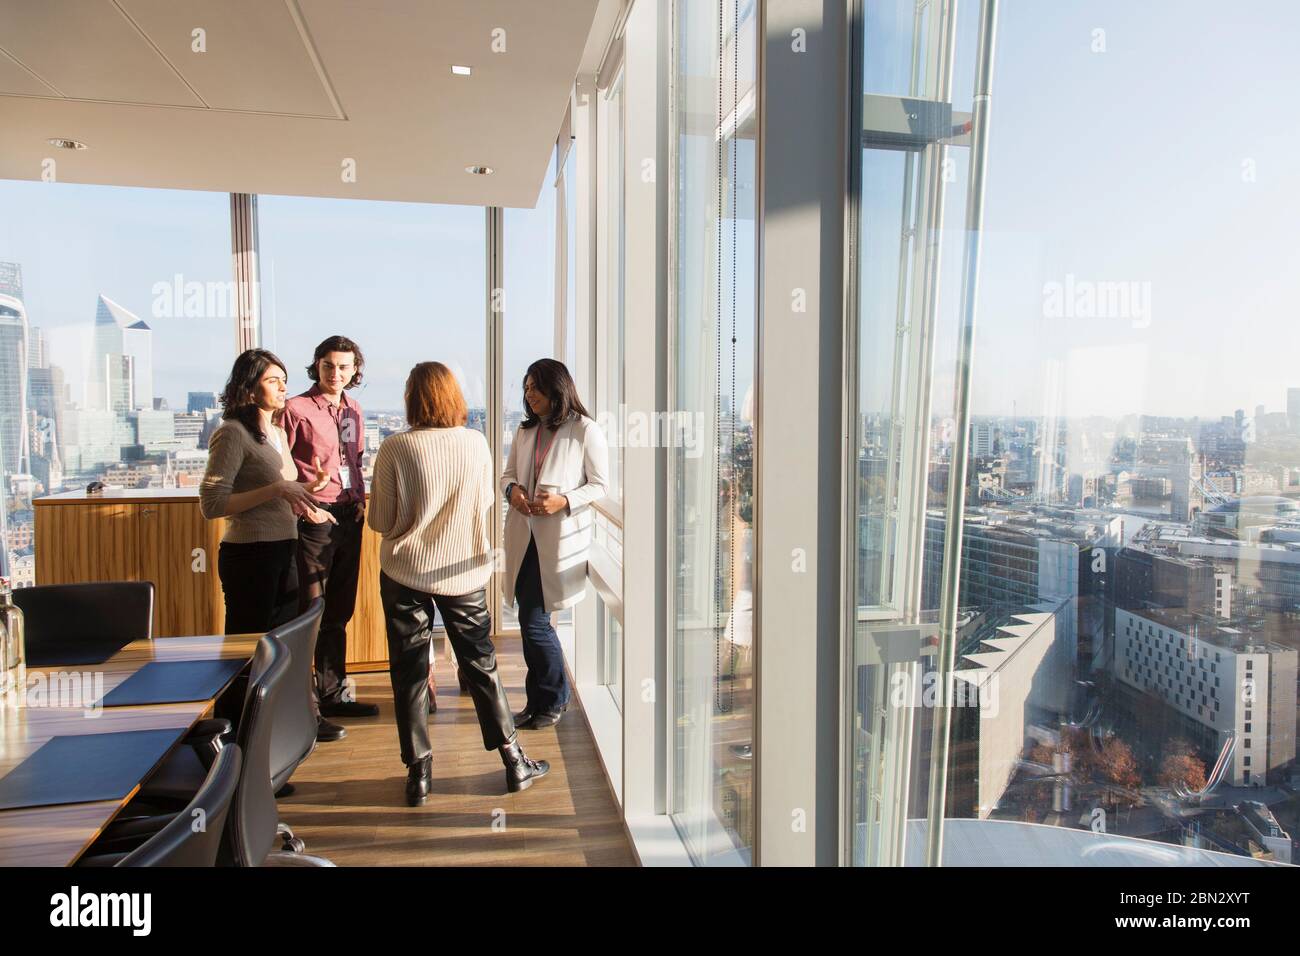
178 842
65 621
253 821
295 713
293 736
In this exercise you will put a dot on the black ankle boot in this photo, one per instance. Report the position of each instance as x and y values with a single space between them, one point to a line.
521 770
419 780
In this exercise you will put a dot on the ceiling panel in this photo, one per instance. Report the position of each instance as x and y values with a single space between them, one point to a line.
88 49
406 125
255 58
14 79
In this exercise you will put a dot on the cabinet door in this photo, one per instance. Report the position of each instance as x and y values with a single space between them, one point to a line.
86 541
178 553
367 642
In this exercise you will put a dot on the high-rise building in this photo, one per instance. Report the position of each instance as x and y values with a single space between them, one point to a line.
1293 409
14 450
38 355
201 402
121 367
11 280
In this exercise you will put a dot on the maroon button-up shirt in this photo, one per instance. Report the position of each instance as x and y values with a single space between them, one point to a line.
318 429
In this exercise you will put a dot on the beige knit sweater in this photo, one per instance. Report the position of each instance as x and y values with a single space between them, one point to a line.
431 499
239 462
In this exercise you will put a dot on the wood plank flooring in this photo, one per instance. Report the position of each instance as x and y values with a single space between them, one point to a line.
349 805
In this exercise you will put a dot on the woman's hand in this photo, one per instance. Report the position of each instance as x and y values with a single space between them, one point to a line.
320 479
547 503
519 500
297 494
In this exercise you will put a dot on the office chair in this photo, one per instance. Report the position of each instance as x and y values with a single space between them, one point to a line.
63 621
180 842
293 736
253 822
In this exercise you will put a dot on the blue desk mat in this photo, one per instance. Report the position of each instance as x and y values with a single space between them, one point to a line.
174 682
86 768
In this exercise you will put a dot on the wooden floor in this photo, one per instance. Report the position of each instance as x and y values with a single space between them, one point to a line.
349 805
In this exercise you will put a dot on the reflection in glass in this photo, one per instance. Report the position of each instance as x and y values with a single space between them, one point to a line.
711 457
1127 616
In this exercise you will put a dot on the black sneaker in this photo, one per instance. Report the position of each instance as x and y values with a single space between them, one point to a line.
348 708
327 730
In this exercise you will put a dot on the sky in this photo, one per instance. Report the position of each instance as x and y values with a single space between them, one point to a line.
404 280
1122 166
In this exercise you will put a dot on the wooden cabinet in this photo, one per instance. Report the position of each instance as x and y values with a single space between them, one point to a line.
160 536
166 542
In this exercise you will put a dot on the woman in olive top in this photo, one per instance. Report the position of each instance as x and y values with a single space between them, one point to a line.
431 500
250 482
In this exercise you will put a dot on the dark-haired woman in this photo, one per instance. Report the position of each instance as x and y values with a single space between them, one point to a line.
557 466
431 500
250 481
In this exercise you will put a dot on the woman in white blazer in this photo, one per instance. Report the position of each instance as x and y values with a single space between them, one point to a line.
557 466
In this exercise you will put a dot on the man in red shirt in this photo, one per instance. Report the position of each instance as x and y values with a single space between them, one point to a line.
324 425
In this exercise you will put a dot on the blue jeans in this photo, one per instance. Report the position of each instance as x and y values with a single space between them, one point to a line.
546 686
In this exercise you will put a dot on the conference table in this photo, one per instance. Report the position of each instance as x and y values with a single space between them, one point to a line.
56 835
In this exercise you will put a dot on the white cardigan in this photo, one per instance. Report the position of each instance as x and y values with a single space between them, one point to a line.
577 464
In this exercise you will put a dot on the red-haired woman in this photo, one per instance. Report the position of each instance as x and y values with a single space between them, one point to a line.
431 500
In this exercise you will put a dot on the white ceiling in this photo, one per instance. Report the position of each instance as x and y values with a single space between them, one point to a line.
287 91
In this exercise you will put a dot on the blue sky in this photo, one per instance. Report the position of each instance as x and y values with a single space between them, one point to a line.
405 280
1125 165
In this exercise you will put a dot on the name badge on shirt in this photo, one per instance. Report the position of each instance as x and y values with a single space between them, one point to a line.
345 477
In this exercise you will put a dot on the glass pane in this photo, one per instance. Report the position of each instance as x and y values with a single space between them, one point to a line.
116 335
529 304
610 329
406 282
407 285
1125 616
711 466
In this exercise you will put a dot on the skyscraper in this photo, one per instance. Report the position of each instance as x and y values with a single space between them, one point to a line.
13 386
121 367
1293 409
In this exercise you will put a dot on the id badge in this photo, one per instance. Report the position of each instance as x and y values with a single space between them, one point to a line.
345 477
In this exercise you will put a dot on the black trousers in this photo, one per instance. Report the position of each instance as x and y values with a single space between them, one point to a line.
329 560
408 616
259 580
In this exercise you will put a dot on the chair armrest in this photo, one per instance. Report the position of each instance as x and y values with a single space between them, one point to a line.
207 737
208 728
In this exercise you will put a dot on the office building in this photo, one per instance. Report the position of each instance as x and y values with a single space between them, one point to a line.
1226 680
14 456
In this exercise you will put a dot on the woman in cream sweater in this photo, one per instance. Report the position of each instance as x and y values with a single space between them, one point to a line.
431 500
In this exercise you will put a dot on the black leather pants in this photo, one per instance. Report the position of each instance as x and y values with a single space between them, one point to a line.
408 615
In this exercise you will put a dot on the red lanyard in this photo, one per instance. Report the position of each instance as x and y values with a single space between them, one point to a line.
538 462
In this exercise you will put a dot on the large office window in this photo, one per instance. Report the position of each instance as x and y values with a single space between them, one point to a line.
528 303
711 536
405 281
117 333
609 337
1125 457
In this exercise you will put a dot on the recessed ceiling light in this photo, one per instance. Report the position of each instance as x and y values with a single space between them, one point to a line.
65 143
461 70
480 170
